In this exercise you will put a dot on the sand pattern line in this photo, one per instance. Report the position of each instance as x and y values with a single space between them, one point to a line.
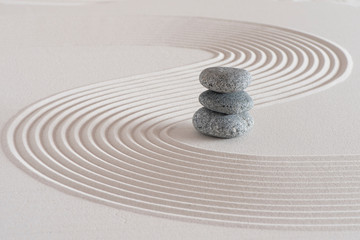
111 141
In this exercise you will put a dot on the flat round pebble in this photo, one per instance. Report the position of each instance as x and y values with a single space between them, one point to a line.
225 79
229 103
222 125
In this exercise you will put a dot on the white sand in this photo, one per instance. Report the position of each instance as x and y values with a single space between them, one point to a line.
127 145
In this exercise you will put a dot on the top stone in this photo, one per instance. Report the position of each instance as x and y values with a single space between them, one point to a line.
225 79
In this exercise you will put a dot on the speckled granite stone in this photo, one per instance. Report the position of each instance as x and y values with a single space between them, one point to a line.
222 125
225 79
229 103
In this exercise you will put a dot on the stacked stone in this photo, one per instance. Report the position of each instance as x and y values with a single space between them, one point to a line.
226 105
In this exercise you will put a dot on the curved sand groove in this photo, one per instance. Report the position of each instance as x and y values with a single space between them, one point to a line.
112 141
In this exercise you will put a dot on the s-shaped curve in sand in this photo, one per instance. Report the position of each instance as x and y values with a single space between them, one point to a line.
110 141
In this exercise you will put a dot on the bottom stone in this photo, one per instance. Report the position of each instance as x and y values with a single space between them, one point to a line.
222 125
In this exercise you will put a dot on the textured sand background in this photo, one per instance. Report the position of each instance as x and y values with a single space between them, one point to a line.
296 175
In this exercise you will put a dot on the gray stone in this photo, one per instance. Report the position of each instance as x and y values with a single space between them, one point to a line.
229 103
222 125
225 79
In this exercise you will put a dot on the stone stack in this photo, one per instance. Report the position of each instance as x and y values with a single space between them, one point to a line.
226 105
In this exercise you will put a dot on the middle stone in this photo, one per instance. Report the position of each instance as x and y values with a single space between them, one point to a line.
228 103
